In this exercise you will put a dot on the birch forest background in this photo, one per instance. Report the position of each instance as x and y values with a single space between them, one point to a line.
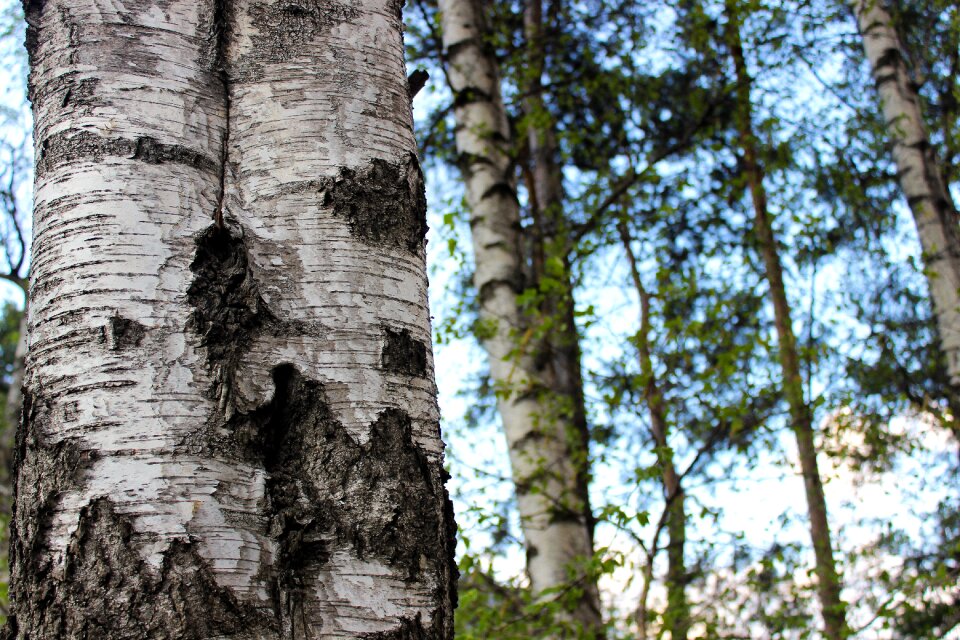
694 279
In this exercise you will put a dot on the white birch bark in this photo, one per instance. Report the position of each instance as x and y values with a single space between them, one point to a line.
921 180
230 425
551 511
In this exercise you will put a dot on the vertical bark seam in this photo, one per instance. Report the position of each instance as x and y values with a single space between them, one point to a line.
220 24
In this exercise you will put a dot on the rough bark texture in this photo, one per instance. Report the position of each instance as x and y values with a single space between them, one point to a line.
832 606
544 442
230 423
920 175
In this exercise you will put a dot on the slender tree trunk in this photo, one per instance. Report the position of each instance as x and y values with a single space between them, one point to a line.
11 420
551 239
920 175
7 446
801 417
544 443
677 616
230 426
551 247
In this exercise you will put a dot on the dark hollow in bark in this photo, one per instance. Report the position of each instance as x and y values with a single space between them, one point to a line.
228 308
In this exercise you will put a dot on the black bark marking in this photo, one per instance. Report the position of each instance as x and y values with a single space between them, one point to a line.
323 481
32 14
384 204
181 600
891 57
122 333
44 471
70 90
450 545
500 189
402 353
64 148
81 94
458 47
489 288
470 95
382 498
409 629
286 29
228 310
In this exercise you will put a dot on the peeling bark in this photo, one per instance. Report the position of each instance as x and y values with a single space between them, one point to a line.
230 423
547 452
920 175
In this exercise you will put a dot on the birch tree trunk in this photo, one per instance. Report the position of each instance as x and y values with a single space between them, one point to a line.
920 175
833 609
230 426
551 248
543 442
551 239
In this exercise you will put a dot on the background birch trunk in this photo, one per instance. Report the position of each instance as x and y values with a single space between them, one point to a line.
550 240
542 452
230 426
920 176
833 609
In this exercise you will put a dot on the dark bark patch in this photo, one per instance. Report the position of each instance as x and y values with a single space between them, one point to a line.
891 57
455 49
450 533
32 14
64 148
43 471
81 94
382 498
384 204
409 629
402 353
286 29
72 91
501 189
377 497
123 333
180 601
228 310
470 95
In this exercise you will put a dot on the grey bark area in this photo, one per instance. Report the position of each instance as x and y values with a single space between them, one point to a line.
230 423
